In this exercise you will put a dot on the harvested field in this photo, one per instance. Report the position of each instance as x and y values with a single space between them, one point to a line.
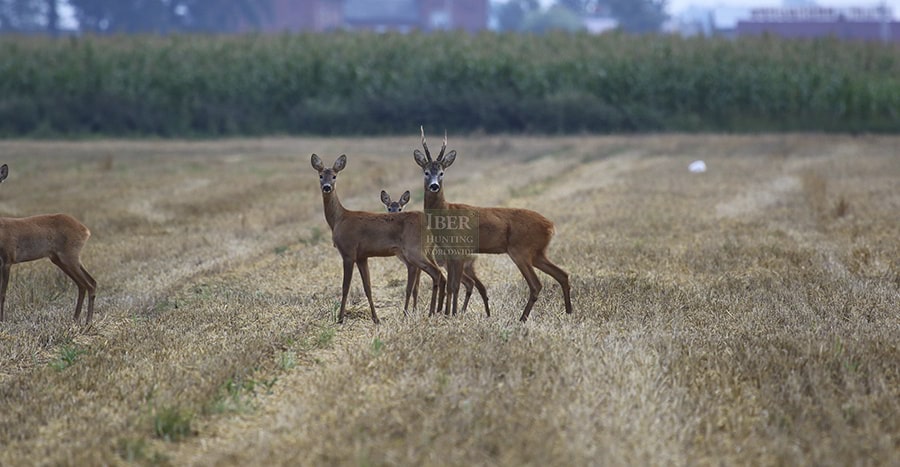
746 315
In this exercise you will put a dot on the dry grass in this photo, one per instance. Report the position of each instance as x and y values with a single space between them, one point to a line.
747 315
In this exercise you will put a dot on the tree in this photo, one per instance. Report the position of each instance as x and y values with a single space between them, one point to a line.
633 15
557 18
163 16
20 15
124 16
581 6
223 15
638 15
511 15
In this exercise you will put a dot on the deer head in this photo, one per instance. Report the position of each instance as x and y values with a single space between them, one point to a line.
328 177
433 168
394 206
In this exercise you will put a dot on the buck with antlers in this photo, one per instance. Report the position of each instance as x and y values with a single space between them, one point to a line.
56 236
360 235
521 233
469 278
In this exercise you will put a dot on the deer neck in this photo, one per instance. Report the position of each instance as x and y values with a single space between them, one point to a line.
435 200
334 210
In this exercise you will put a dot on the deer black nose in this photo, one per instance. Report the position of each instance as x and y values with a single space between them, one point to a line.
326 188
434 187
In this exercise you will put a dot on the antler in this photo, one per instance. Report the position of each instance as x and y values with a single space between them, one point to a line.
443 146
425 145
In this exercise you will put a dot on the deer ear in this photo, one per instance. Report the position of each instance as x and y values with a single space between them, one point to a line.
448 159
340 163
385 198
4 171
317 163
421 159
405 198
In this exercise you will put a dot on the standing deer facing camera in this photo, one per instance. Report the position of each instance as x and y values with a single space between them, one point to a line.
521 233
469 279
360 235
56 236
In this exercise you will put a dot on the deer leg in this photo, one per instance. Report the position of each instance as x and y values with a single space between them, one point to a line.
74 274
4 281
415 290
454 275
457 284
437 281
470 271
410 273
412 286
447 286
544 264
74 269
441 287
534 284
436 308
92 291
438 287
467 283
345 287
363 266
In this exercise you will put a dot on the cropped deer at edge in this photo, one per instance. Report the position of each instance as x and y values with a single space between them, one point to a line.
469 278
59 237
360 235
523 234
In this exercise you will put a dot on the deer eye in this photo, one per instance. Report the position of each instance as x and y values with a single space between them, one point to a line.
321 177
427 173
441 174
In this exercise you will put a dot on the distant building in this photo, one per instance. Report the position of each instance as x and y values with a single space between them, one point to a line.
705 21
376 15
874 24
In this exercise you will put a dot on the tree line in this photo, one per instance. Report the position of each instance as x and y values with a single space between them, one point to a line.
636 16
198 16
133 16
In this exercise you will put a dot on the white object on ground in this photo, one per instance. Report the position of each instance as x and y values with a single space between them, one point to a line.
697 167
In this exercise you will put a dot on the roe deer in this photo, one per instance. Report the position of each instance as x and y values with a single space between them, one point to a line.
521 233
360 235
56 236
469 279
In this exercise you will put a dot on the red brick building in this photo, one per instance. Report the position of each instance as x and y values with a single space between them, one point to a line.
378 15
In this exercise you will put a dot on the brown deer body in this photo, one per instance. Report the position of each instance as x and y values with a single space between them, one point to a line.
359 235
59 237
469 277
521 233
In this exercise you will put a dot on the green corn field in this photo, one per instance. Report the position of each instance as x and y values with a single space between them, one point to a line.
367 83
